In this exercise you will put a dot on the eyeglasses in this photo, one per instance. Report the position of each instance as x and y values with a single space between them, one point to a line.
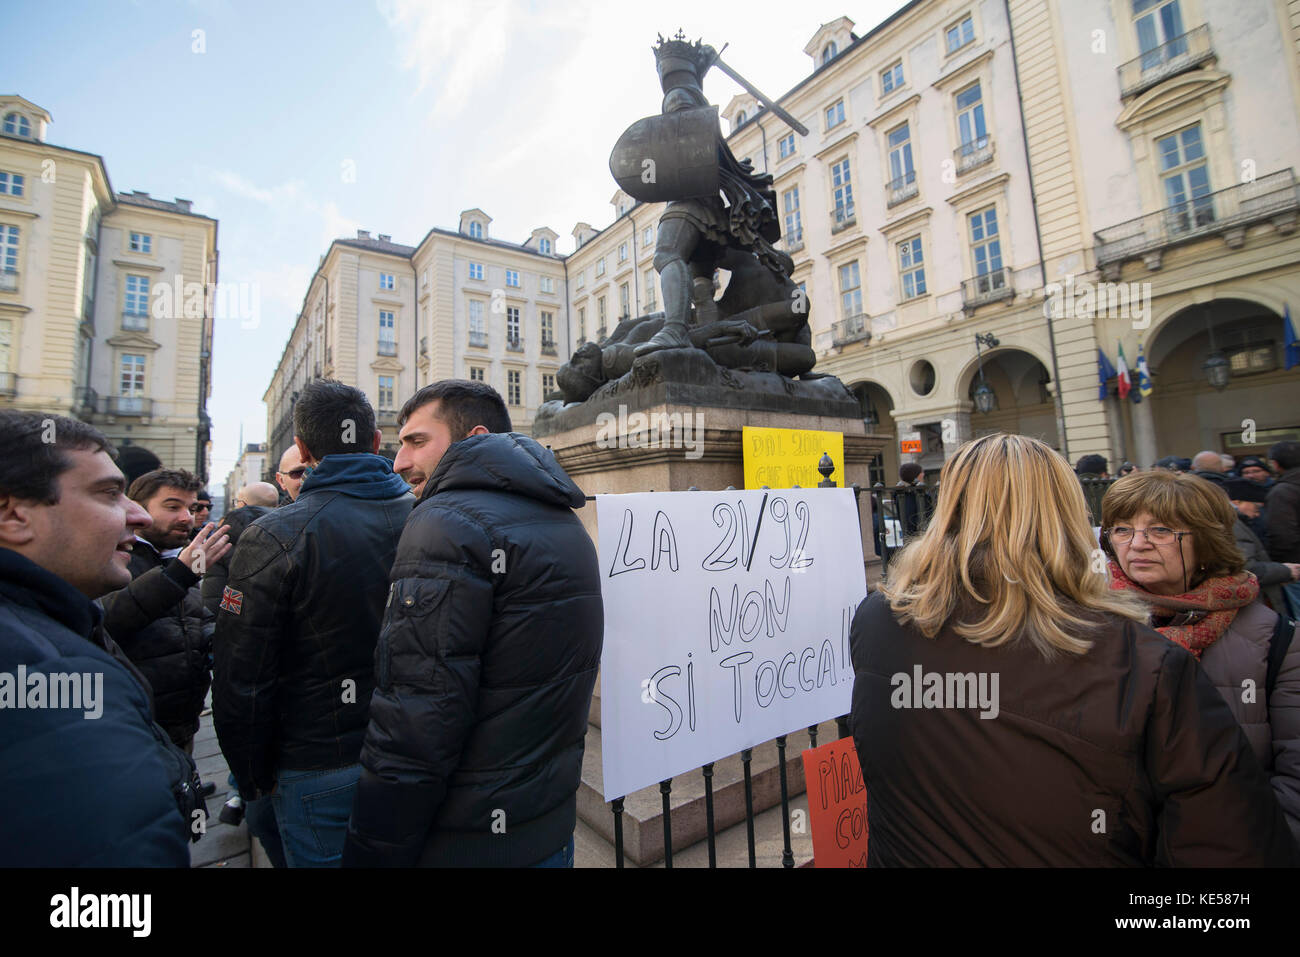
195 509
1155 535
296 473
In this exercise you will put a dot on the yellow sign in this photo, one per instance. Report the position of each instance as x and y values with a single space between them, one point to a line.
911 446
784 458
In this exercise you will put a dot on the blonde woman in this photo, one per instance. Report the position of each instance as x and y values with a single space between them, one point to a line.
1171 543
1010 709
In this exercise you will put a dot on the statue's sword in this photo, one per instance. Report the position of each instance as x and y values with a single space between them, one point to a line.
754 91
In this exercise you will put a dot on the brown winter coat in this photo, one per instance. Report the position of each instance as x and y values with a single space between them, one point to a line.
1123 756
1273 729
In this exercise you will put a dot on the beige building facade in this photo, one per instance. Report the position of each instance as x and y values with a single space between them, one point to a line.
105 298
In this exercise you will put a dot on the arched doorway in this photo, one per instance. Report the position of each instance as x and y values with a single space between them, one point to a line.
1258 404
1022 402
877 407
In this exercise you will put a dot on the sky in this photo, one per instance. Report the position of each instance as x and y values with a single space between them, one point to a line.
296 123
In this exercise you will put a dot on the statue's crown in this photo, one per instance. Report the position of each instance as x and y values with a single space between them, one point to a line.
676 55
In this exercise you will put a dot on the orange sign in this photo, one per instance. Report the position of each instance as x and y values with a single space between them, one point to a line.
837 804
911 446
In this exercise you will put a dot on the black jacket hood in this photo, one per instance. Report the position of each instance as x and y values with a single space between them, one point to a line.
504 462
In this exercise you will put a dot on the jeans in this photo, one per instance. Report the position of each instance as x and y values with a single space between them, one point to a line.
312 809
561 858
1291 592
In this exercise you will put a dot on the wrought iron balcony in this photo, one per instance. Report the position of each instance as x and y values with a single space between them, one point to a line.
129 405
901 188
853 329
479 339
387 348
990 287
8 384
135 321
548 347
600 334
87 400
1179 55
424 345
975 153
794 240
1227 212
842 217
385 417
8 280
514 344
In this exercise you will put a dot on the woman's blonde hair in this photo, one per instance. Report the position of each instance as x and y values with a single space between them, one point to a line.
1010 552
1179 498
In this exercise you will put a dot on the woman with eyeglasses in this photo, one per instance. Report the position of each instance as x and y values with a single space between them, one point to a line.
1009 709
1170 540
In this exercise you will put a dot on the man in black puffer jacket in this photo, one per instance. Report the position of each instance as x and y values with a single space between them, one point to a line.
489 650
159 619
298 622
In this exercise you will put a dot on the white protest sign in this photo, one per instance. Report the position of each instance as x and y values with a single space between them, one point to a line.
726 623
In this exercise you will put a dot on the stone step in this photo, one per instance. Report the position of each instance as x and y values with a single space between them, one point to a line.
643 837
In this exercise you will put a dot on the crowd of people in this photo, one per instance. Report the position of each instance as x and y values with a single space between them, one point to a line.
401 670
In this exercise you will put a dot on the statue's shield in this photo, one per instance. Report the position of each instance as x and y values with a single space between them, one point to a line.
669 157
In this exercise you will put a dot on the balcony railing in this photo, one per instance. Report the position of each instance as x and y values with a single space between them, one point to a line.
794 240
129 405
386 417
8 280
479 339
424 345
975 153
387 348
853 329
990 287
600 334
135 321
514 344
1180 54
87 400
8 384
1228 211
548 347
901 188
842 217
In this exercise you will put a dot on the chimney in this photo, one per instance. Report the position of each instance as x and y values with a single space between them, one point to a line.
385 239
363 234
184 204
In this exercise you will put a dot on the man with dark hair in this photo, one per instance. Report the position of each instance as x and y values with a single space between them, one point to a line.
158 618
1248 500
1284 513
200 510
297 625
1093 467
488 656
112 791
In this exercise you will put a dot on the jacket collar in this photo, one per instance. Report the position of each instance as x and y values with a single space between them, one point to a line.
359 474
26 583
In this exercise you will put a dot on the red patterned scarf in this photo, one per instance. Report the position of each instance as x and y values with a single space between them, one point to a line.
1196 618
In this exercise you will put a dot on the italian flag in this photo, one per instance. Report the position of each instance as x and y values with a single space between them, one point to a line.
1125 383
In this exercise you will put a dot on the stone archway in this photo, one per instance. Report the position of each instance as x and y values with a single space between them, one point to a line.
1259 405
1021 385
877 407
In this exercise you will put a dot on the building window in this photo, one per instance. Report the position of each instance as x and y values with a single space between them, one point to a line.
512 278
131 376
786 146
476 374
793 218
6 345
475 270
651 285
477 331
622 252
386 281
544 246
514 392
740 117
424 278
17 125
648 237
829 52
970 119
960 34
843 188
600 313
512 325
141 243
387 334
8 256
986 247
600 266
582 324
1159 23
850 291
1186 177
546 284
548 328
475 230
548 384
901 171
835 115
891 78
911 264
581 280
386 392
137 298
11 184
624 301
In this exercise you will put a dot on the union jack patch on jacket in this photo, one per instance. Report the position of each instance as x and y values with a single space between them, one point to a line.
231 600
